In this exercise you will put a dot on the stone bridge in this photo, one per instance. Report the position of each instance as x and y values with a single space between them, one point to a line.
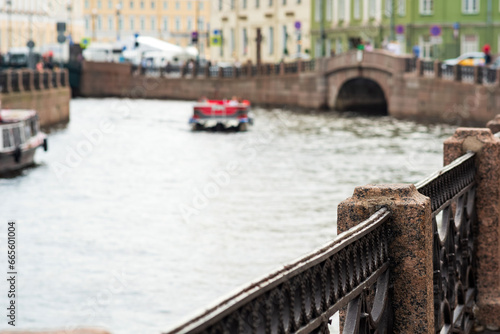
372 82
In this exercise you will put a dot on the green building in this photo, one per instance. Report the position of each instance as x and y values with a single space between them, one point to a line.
442 29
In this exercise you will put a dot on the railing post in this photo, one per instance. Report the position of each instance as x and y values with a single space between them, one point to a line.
299 65
457 73
476 75
410 249
31 79
487 231
420 67
282 68
437 69
8 81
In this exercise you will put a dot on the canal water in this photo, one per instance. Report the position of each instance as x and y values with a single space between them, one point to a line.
131 222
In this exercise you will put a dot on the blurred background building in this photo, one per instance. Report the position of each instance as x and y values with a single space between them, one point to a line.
260 30
21 21
173 21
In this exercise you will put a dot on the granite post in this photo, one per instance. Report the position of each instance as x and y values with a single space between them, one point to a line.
410 249
487 231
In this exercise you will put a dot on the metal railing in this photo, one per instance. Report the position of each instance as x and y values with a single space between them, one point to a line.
26 80
410 64
3 81
452 194
428 68
352 271
15 84
466 73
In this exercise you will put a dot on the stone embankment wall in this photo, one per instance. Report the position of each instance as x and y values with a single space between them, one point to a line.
47 92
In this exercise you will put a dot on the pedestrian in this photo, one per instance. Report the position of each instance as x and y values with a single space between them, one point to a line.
487 55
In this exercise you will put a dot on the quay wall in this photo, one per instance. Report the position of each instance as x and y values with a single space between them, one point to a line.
409 94
118 80
47 92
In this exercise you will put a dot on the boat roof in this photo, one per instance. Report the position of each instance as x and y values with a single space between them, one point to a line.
15 115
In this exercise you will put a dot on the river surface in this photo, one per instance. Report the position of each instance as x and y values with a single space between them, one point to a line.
131 222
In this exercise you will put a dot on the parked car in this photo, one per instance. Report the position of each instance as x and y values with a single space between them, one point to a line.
467 59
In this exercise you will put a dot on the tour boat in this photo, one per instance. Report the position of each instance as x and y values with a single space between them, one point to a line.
221 114
20 138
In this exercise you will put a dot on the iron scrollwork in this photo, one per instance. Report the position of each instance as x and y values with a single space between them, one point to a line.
352 271
452 193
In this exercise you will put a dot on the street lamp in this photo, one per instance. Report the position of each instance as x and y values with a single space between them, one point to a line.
69 8
118 12
94 14
9 4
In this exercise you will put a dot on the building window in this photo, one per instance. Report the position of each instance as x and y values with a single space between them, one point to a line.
299 1
470 6
244 4
201 24
87 4
131 23
165 5
257 3
165 24
469 43
99 4
143 24
426 7
142 4
189 5
153 23
402 7
270 3
284 2
110 22
110 4
329 10
284 40
99 22
388 8
177 5
341 9
201 5
317 10
373 8
271 40
220 4
232 4
189 23
177 24
357 10
120 22
152 5
131 4
87 23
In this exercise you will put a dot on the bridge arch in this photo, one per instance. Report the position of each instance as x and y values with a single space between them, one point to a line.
364 85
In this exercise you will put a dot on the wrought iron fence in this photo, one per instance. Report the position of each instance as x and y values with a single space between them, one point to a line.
36 79
15 84
466 73
54 76
291 67
309 65
254 70
214 71
350 271
490 75
3 81
227 72
428 68
26 80
45 79
411 64
452 194
447 72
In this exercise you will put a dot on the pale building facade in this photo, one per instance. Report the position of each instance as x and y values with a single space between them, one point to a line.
22 20
169 20
277 20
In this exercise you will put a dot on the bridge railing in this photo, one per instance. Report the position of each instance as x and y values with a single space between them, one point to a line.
303 295
406 259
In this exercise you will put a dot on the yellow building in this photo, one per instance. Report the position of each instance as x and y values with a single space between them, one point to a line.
170 20
21 21
271 30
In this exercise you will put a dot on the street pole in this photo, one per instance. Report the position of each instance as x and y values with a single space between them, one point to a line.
118 9
9 45
322 27
489 22
198 35
392 25
94 14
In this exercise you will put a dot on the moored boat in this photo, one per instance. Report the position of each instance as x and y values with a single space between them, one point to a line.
20 138
221 114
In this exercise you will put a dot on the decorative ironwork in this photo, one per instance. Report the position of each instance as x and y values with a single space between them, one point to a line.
411 64
452 193
352 271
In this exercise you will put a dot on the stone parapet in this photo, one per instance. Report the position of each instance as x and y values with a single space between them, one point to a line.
410 249
487 231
